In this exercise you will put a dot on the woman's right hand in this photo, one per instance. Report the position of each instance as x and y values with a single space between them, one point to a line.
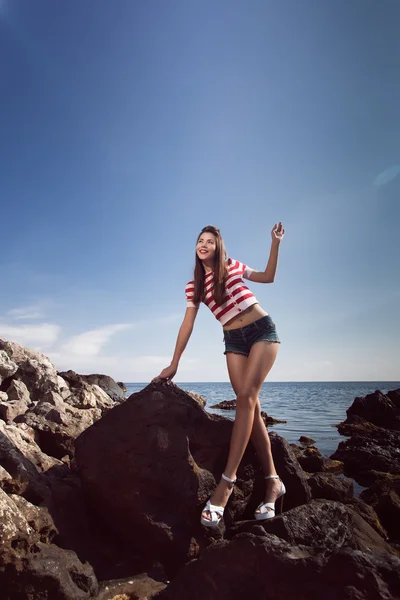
168 373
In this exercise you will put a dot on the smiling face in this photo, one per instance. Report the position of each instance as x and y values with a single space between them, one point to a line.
206 247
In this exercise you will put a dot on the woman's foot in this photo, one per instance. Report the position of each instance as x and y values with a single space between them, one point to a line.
219 498
274 489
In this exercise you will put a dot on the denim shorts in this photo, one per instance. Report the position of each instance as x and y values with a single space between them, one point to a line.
242 339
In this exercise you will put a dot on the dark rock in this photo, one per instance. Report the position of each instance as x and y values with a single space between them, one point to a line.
312 461
141 587
31 569
378 451
377 408
289 469
356 425
324 525
225 405
270 420
330 487
304 439
231 405
394 396
167 454
385 499
252 566
369 514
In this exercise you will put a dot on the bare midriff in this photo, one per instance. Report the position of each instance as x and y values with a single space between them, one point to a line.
246 317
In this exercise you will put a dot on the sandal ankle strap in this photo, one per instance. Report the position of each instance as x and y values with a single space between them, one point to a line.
225 478
272 477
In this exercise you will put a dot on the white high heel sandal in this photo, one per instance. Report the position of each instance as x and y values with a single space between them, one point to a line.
267 509
216 512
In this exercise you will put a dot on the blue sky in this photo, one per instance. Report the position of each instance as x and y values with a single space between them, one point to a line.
128 126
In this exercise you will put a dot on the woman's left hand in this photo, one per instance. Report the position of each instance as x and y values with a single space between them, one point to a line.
277 232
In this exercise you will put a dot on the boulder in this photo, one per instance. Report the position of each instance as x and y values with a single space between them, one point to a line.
122 386
312 461
225 405
306 440
380 409
33 368
263 566
200 399
149 485
23 460
5 477
231 405
30 568
330 487
140 587
7 367
106 390
57 424
377 451
369 514
324 525
385 499
17 403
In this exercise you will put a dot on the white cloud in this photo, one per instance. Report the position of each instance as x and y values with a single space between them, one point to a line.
31 335
388 175
26 313
91 342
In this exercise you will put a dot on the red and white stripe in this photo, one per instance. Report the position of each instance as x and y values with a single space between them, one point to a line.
237 296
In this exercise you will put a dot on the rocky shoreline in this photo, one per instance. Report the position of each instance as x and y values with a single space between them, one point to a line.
100 497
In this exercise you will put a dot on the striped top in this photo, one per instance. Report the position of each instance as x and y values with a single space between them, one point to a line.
237 296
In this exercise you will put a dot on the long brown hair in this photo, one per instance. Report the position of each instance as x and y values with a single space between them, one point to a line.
219 268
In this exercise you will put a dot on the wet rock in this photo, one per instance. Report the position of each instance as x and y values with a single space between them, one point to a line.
231 405
378 451
330 487
140 587
355 425
312 461
225 405
305 439
265 567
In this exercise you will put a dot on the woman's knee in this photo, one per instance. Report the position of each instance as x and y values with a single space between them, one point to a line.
247 401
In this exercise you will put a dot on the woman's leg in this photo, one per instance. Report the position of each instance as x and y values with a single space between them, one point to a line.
253 372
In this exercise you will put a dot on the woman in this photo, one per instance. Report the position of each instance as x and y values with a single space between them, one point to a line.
251 347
